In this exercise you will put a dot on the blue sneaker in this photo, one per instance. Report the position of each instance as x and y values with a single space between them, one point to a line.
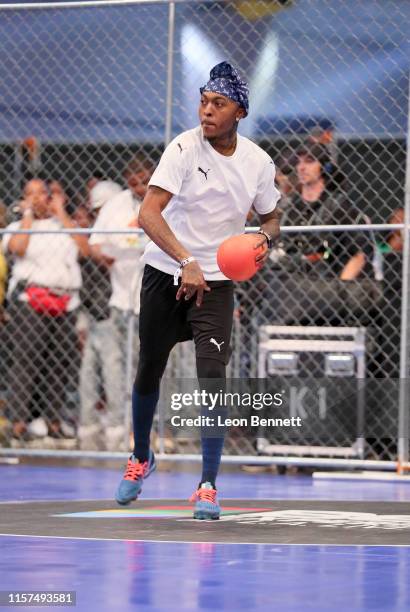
206 505
133 479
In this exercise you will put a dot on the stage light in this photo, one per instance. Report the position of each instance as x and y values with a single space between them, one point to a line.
339 365
282 364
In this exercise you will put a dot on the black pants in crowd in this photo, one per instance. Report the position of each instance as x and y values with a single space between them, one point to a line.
45 362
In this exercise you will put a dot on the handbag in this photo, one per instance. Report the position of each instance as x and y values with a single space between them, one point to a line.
44 301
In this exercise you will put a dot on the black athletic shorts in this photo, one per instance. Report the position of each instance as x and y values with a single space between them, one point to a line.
165 321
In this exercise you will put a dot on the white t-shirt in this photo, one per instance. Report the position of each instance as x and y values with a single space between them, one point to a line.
120 213
212 195
51 260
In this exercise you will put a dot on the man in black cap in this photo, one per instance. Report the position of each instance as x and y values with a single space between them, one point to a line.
322 200
207 180
306 269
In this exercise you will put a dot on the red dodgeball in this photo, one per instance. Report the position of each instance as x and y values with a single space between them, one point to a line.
236 256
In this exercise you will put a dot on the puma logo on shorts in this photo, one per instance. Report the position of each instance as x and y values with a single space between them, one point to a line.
217 344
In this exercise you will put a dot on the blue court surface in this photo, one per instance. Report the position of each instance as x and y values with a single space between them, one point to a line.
125 574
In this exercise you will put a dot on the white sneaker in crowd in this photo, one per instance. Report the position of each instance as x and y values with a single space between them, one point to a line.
67 429
37 428
90 437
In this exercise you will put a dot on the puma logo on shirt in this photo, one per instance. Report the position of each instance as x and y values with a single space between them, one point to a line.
205 173
180 147
213 341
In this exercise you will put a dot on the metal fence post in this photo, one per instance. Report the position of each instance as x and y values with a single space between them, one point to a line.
170 73
403 425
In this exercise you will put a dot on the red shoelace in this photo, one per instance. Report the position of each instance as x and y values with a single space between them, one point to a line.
208 495
134 471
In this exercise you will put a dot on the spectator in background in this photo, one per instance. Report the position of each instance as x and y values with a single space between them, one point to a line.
43 298
57 189
95 178
306 268
324 135
102 359
83 218
83 197
121 254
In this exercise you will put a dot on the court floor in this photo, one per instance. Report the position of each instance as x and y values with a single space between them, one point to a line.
113 571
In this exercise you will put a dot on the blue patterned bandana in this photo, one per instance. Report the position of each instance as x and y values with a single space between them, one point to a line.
225 79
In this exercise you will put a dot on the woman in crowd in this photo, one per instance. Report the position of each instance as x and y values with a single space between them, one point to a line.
43 297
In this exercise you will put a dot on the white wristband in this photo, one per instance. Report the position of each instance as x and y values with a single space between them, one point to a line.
186 261
182 264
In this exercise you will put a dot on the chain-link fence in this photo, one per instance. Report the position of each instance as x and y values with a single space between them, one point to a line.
94 93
